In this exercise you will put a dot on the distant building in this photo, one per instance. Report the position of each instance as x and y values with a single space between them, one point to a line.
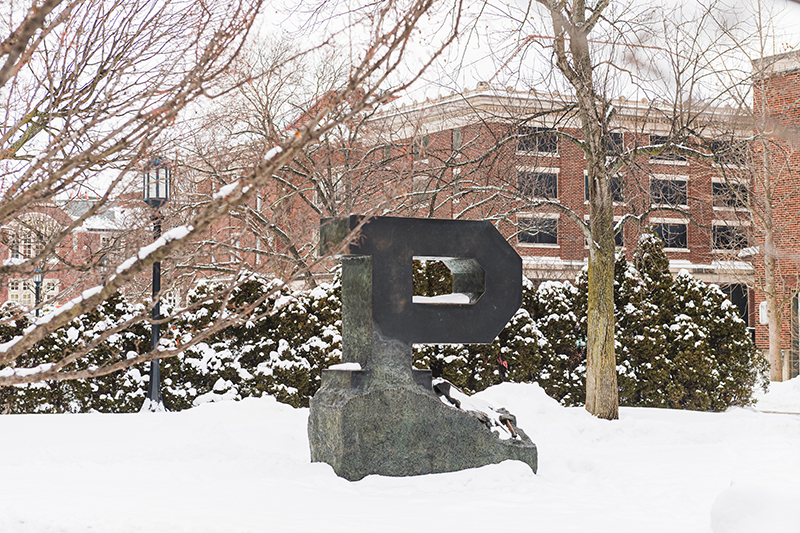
495 154
777 104
80 259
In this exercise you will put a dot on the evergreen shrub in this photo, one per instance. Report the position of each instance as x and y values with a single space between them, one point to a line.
680 344
118 392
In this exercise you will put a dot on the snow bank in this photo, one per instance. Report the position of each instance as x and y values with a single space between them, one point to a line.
746 508
244 466
782 397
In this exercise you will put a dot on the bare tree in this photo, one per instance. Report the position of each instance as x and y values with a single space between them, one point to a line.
588 54
94 89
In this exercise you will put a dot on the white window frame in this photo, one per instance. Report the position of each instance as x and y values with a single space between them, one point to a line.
21 292
557 153
654 160
541 170
662 220
735 181
548 216
727 223
668 177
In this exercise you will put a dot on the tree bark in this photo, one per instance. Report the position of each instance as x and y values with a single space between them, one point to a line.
774 314
602 394
575 63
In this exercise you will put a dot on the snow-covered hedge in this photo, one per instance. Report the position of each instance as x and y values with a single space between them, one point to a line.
120 392
680 344
278 350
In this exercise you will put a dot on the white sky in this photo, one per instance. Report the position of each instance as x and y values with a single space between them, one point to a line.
482 53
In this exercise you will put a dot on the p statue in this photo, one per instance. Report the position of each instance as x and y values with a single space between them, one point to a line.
375 414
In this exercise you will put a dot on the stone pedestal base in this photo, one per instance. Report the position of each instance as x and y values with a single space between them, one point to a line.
400 430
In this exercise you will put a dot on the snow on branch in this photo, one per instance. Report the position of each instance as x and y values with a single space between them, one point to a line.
172 235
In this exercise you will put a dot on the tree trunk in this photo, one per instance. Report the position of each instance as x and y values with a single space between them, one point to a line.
773 308
602 394
770 272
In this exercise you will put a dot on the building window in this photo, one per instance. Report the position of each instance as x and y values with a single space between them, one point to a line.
50 288
619 237
668 191
732 195
673 235
616 188
420 147
728 153
170 300
537 230
21 292
456 140
537 184
667 155
738 294
537 140
24 246
614 143
725 237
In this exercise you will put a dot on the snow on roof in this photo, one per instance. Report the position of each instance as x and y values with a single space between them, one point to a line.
114 218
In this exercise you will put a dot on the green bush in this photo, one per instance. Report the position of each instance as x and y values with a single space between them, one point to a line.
680 344
279 349
112 393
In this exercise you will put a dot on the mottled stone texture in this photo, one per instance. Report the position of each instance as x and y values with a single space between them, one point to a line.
386 419
400 430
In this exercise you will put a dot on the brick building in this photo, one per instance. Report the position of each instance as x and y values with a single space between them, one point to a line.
81 259
777 108
496 154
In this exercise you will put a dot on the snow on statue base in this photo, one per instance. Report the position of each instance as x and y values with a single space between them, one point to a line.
375 414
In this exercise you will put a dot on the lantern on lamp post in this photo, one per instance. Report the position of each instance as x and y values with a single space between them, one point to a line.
156 192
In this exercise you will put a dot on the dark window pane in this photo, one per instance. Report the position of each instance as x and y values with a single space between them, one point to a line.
729 153
738 295
728 238
537 140
538 230
616 189
618 238
586 187
668 192
729 195
665 156
673 235
614 143
537 184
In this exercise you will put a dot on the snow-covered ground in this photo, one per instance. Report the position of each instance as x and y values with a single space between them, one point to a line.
244 466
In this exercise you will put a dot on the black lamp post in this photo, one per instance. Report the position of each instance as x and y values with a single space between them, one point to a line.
103 269
37 282
156 188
